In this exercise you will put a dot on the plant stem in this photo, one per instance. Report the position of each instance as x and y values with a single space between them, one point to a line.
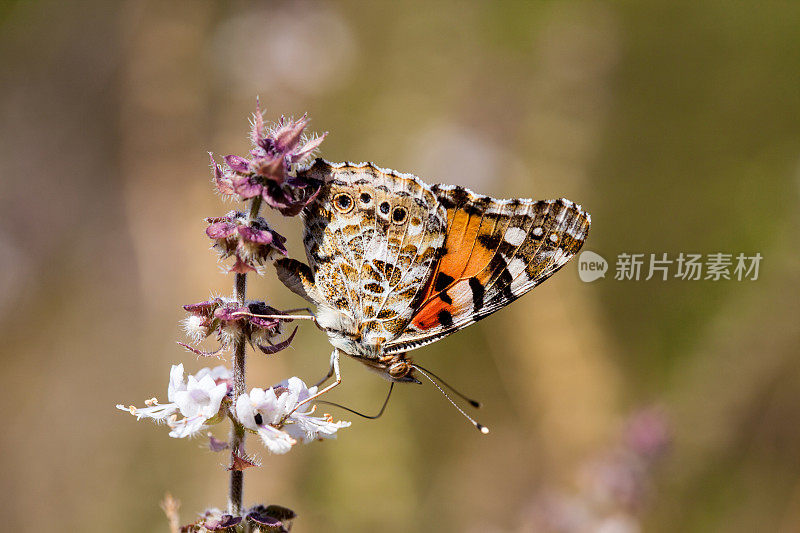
236 487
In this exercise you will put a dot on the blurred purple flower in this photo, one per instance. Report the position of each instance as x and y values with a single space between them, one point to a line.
613 488
648 434
269 173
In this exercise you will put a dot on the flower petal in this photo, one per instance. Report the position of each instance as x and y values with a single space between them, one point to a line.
245 411
276 441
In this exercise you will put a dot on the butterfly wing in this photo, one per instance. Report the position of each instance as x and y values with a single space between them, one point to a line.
495 251
371 238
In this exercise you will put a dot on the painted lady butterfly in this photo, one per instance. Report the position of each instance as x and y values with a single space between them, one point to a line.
395 264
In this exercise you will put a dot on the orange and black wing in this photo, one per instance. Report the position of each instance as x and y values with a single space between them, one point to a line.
495 251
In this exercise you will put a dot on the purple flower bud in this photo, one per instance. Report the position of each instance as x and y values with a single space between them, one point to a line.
221 182
271 171
246 186
202 308
221 230
237 164
308 148
289 134
255 235
270 168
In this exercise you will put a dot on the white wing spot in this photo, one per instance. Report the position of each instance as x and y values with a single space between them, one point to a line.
538 231
515 236
553 237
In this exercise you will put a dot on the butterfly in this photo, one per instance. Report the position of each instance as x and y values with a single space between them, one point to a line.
395 264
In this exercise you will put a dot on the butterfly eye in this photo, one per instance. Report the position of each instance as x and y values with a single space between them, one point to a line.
365 198
399 215
385 208
343 202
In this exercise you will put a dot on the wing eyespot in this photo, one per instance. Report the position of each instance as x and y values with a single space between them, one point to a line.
384 207
343 202
399 215
365 198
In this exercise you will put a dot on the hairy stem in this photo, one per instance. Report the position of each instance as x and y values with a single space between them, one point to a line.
236 487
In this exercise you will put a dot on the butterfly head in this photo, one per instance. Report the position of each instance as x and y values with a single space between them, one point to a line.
396 368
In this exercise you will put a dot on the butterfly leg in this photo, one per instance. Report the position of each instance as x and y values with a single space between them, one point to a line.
335 367
327 376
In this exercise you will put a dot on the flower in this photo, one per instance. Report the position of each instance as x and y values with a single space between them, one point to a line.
198 399
271 518
213 520
272 414
228 320
252 243
277 151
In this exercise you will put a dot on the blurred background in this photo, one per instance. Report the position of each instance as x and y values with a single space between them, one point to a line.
674 123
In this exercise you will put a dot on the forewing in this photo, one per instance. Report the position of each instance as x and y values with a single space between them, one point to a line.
371 262
495 251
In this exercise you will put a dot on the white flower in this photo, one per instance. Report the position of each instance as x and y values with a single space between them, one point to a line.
198 399
271 413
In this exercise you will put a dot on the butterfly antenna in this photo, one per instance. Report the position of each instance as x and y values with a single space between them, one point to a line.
474 403
480 427
362 415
